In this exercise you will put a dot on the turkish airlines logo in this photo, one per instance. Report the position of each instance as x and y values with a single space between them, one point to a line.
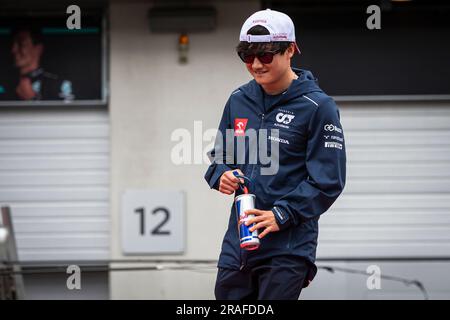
284 118
332 127
239 126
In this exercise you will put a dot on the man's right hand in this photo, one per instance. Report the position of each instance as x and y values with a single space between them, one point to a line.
228 182
25 89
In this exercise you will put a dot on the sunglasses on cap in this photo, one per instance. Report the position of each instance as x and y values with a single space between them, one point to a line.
263 57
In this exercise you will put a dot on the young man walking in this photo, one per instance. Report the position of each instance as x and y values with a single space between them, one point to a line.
304 123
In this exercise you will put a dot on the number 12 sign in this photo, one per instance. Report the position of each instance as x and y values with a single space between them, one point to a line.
153 222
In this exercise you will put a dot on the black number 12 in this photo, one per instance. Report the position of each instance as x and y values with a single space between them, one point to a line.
157 230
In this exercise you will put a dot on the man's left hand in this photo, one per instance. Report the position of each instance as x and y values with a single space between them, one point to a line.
263 219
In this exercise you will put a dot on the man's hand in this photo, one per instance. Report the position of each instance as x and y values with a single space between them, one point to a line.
263 219
228 182
24 89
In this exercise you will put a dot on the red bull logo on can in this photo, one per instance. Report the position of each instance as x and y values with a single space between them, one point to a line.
249 240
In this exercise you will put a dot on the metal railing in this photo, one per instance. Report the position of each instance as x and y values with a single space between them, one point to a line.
12 270
11 280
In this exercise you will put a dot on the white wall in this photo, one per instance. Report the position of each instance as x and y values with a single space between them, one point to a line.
151 96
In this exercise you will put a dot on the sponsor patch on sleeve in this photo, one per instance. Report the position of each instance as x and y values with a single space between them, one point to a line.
333 144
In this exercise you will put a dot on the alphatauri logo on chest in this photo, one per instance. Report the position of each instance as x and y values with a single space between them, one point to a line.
283 118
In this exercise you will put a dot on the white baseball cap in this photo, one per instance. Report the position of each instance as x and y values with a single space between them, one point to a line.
279 24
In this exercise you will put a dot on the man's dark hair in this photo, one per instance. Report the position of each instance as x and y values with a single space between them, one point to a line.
34 31
258 30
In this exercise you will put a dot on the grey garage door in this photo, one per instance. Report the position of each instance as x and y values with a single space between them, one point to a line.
397 199
54 174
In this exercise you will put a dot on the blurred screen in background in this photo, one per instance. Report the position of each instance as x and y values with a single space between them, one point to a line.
42 60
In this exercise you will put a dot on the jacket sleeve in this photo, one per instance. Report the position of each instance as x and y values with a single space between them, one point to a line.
326 166
220 161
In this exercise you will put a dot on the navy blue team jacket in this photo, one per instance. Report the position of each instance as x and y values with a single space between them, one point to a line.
312 166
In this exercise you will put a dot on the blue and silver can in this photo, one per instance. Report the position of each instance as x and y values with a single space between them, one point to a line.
249 240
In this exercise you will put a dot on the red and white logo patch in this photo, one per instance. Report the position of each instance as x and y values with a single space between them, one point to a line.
239 126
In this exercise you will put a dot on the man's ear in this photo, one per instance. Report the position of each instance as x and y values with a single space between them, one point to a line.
290 50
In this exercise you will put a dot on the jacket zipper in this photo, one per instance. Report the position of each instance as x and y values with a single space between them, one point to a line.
243 259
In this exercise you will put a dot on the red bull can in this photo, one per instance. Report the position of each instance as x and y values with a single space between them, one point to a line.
249 240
